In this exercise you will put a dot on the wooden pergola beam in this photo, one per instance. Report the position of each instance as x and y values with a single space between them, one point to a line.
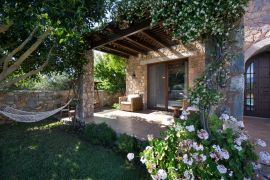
120 51
129 47
155 39
118 34
140 44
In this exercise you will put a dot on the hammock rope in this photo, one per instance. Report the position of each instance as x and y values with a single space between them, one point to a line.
29 117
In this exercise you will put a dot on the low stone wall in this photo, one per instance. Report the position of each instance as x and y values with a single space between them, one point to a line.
47 100
106 99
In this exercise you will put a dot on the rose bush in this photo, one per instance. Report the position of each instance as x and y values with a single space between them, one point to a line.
187 151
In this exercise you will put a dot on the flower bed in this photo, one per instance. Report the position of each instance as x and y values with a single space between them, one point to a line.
187 151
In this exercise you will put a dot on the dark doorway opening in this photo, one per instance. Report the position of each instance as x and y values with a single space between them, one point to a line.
257 85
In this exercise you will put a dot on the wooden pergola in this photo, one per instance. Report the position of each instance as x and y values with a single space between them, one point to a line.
137 39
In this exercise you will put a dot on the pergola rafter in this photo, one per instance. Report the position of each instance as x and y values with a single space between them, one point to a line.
136 39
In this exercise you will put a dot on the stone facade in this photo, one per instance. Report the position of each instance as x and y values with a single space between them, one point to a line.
136 71
256 22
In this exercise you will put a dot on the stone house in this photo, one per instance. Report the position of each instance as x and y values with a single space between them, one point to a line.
161 69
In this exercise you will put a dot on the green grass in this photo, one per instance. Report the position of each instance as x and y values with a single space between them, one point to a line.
44 151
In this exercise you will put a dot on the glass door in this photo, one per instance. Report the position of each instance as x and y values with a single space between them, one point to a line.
156 86
176 83
167 84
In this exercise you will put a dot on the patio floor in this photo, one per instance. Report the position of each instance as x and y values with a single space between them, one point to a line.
138 124
142 123
258 128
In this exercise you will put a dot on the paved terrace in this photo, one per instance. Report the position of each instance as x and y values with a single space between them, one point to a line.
142 123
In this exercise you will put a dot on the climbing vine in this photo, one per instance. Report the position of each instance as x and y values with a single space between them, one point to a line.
188 20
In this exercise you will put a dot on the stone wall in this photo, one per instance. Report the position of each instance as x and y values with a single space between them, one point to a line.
256 22
34 100
107 99
136 71
48 100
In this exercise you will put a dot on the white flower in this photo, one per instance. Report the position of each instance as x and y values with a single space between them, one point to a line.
148 148
196 101
130 156
243 137
185 113
150 137
187 160
183 117
203 134
231 173
233 119
265 157
190 128
202 157
219 153
197 147
222 169
188 175
246 178
238 141
143 160
260 143
161 174
178 127
240 124
224 117
224 154
239 148
256 166
192 108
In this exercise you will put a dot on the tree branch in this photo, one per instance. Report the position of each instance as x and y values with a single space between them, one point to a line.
5 27
10 55
25 55
31 73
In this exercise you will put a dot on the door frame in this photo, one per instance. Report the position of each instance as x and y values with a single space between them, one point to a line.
166 63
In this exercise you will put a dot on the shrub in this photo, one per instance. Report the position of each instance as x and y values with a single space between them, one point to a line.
100 134
116 106
126 144
187 151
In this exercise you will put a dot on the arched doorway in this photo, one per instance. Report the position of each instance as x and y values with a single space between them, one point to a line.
257 85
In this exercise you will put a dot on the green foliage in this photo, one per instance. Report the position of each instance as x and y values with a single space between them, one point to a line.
68 21
110 70
189 20
126 144
182 153
116 106
52 82
100 134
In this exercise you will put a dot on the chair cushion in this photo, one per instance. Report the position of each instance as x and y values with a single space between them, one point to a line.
129 97
125 102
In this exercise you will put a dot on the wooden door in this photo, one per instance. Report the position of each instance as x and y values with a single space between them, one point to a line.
257 90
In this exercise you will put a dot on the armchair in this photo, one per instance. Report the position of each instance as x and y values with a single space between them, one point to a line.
131 103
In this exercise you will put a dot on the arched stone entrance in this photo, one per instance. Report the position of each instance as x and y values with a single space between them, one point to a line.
257 79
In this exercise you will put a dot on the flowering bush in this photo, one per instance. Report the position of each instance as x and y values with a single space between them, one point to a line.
187 151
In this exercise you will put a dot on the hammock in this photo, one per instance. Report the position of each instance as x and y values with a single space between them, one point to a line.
28 117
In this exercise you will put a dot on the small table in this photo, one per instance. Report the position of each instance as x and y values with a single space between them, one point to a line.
176 111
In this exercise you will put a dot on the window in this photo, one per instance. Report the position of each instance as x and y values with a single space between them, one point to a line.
249 94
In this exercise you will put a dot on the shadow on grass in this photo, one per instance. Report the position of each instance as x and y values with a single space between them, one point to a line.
44 151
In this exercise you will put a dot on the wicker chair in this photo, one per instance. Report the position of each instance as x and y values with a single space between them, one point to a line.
131 103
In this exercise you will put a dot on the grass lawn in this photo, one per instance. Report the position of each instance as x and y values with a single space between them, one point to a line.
44 151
